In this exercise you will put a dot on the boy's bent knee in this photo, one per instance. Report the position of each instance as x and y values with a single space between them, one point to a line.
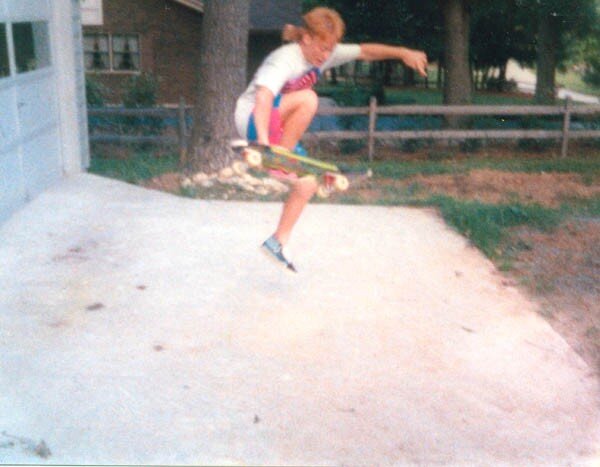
311 99
305 99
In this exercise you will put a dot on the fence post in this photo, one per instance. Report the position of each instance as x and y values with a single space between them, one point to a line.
565 129
182 127
372 121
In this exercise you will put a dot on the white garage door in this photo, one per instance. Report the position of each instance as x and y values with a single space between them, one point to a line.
29 123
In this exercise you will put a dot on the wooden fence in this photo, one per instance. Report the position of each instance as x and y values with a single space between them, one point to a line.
178 113
567 111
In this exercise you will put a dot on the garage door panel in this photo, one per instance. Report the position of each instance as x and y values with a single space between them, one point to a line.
36 104
8 122
41 162
31 152
12 188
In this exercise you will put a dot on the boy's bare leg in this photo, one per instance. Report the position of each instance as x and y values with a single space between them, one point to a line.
302 191
297 110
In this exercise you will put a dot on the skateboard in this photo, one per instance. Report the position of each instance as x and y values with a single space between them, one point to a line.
275 158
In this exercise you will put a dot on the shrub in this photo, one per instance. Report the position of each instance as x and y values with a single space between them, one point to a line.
94 92
140 91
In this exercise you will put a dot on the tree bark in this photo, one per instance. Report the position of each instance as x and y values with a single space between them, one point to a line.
221 79
546 60
457 83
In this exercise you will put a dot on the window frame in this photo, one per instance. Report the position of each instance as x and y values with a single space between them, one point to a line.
42 55
112 69
13 69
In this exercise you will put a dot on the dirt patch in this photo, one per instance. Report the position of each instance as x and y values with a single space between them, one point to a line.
492 186
562 271
169 182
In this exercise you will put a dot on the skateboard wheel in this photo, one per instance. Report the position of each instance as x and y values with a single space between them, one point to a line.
323 192
238 144
341 183
253 157
239 167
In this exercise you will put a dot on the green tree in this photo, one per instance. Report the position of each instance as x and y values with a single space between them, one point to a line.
591 59
412 23
556 25
497 36
586 53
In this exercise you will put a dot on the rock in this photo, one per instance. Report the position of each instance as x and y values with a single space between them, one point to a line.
227 172
200 177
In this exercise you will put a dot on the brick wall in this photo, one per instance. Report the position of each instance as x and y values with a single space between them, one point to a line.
169 45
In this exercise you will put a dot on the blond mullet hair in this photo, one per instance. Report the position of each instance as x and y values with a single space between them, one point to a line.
322 22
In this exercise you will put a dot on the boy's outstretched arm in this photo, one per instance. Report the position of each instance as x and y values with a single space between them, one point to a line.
414 59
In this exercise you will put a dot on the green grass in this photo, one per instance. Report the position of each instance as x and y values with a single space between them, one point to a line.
587 167
421 96
487 225
435 97
141 165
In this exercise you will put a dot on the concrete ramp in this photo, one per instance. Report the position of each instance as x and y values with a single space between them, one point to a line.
142 328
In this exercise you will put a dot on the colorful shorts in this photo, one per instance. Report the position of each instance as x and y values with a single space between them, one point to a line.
275 124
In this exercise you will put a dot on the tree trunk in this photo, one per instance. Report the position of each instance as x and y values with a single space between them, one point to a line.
457 84
221 79
546 60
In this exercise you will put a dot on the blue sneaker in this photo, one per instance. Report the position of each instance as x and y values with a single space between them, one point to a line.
273 249
299 149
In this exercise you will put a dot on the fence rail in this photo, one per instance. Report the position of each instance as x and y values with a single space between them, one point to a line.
373 110
567 111
179 113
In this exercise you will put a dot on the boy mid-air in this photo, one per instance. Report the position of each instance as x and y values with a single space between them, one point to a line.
279 103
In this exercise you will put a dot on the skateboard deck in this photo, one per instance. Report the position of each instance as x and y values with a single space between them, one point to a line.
285 163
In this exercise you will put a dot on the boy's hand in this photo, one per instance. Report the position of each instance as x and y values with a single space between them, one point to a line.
416 60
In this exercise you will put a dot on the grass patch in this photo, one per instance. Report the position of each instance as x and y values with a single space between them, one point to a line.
419 96
402 170
588 167
135 168
486 225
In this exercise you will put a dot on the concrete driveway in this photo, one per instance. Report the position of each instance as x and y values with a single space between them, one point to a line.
141 328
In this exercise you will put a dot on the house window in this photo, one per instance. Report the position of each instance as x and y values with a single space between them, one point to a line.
4 63
32 45
112 52
126 54
97 55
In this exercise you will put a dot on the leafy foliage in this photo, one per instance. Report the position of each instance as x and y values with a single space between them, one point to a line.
500 29
140 91
94 92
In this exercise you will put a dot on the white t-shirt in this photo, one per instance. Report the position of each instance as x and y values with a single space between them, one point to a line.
282 66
